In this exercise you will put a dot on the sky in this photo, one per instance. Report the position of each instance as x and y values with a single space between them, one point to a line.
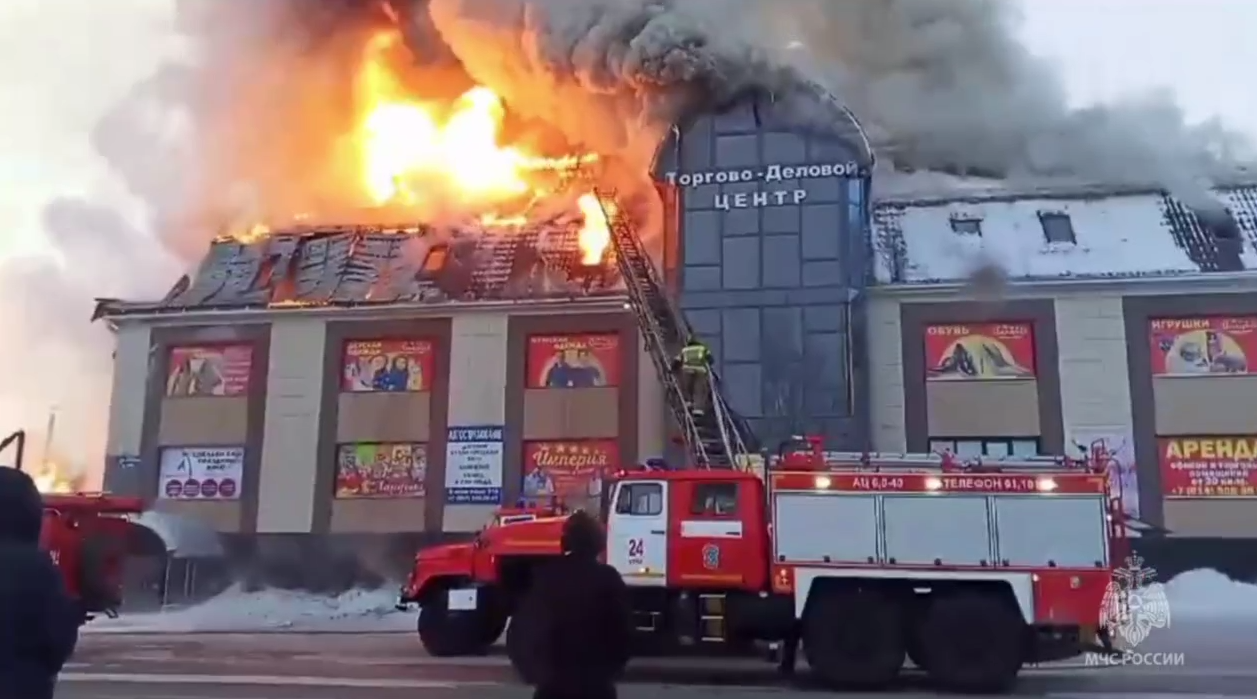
1203 50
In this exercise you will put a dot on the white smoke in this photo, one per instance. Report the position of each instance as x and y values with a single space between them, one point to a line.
198 96
73 230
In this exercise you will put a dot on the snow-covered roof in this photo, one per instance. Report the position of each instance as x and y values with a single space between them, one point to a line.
943 230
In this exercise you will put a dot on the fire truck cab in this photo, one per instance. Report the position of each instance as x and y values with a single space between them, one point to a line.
969 570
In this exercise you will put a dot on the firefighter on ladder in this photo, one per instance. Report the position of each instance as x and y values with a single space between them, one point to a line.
694 365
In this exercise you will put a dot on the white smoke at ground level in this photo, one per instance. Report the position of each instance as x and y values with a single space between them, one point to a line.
356 610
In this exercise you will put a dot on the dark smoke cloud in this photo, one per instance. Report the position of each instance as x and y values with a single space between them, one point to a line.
940 85
238 122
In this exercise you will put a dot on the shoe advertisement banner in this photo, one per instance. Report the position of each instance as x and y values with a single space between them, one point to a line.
979 351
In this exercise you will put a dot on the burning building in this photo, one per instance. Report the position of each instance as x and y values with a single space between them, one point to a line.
477 315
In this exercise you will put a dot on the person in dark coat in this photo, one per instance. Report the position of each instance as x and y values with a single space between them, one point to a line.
39 618
582 616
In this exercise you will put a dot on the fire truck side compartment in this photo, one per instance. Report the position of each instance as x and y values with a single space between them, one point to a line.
825 527
1062 531
923 529
936 537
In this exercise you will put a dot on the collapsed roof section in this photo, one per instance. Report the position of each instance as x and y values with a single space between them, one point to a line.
352 266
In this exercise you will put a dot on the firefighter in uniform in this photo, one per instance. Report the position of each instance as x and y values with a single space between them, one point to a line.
694 364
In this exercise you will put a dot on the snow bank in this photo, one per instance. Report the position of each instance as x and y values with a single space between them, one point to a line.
1207 595
1196 596
271 610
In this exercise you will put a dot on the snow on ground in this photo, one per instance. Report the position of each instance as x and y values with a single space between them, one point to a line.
1207 595
1200 596
271 610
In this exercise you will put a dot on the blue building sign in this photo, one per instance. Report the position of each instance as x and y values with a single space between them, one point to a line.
772 230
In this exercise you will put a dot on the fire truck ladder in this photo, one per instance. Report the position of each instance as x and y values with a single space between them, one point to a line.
716 438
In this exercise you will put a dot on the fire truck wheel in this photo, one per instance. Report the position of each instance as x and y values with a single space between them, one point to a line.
854 638
974 642
446 634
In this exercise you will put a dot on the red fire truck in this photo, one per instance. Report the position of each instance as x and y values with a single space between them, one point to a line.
970 570
86 534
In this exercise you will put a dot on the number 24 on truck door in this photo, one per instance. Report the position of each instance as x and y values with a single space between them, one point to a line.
636 549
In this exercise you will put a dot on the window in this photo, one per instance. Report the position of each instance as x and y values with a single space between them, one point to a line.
715 499
643 499
1057 227
967 226
996 448
435 259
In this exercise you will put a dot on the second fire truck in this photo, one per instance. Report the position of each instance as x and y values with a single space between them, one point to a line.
969 571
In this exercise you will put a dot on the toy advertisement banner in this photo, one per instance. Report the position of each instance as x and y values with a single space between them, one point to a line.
200 473
215 370
473 465
381 470
568 470
979 351
573 361
387 366
1208 467
1217 346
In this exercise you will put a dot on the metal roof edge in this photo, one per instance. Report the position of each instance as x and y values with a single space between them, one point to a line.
1199 283
200 316
941 195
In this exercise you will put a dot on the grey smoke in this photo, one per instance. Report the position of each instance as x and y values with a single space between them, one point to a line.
246 114
940 85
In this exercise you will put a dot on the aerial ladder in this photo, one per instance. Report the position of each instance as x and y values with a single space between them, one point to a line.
718 438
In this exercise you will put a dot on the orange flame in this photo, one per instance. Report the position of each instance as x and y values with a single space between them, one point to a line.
53 477
595 234
412 152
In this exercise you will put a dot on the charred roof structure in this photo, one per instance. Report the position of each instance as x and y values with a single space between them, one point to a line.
356 266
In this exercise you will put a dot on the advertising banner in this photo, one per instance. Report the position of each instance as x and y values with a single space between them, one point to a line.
573 361
473 465
381 470
1216 346
979 351
212 370
568 469
1208 467
390 366
200 473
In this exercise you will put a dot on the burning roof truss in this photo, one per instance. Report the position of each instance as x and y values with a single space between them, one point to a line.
379 265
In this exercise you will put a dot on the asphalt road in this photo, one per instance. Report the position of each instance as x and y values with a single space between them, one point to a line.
1214 659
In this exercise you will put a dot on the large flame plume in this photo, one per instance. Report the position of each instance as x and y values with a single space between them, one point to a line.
415 157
